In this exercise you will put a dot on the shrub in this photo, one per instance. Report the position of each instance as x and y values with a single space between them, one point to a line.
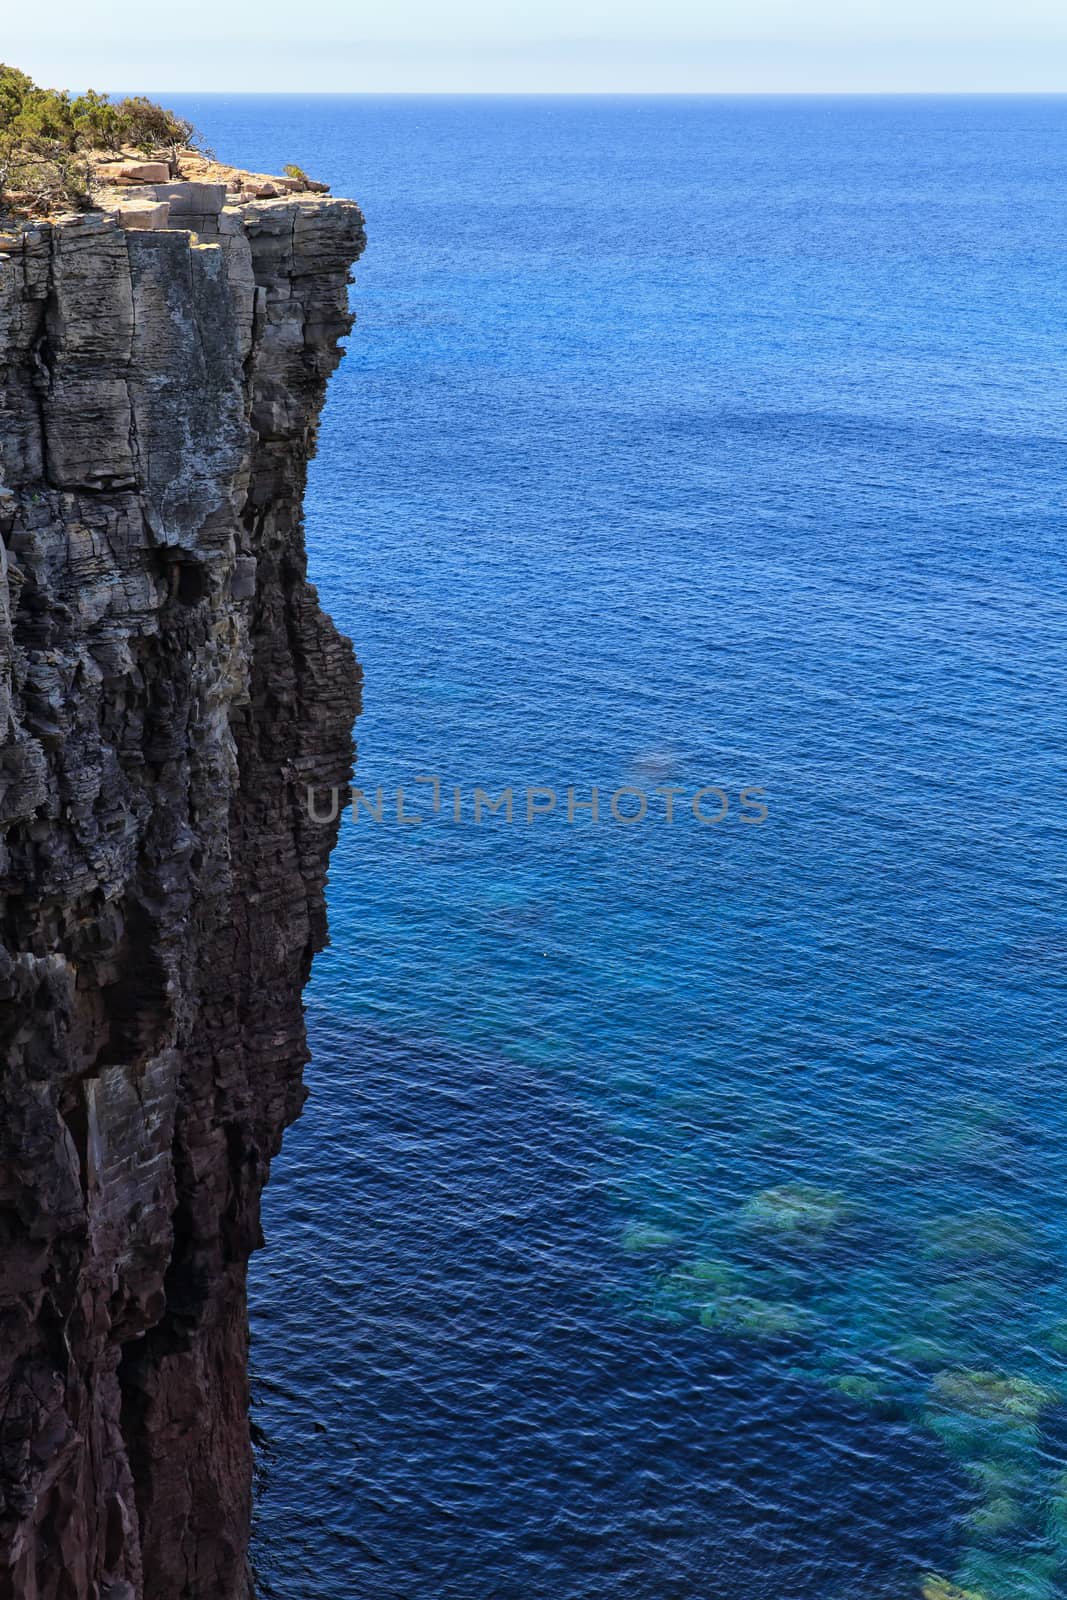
89 120
298 173
38 175
43 130
15 86
147 126
96 121
33 113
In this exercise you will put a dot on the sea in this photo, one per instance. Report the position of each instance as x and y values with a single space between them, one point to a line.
680 1207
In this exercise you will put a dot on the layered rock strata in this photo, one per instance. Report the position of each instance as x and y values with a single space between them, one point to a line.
168 688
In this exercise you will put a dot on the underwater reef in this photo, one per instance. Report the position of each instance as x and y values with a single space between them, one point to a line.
931 1317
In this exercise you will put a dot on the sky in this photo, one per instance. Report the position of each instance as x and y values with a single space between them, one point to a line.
551 46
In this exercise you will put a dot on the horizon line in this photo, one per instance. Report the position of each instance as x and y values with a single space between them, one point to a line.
610 94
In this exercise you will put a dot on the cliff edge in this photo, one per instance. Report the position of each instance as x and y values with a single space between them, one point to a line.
168 688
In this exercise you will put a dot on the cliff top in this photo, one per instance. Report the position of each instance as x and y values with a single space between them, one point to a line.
60 153
115 173
186 190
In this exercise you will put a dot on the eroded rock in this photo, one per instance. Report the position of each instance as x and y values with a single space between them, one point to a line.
169 687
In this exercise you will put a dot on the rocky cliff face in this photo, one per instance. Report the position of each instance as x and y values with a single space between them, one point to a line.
168 689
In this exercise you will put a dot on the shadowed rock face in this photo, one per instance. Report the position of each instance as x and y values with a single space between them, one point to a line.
168 689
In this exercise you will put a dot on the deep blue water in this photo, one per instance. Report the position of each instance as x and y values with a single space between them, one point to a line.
679 1212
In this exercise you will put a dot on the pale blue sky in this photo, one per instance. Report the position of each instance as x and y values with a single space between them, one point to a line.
553 45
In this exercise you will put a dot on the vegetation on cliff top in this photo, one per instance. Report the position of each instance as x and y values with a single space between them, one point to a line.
46 135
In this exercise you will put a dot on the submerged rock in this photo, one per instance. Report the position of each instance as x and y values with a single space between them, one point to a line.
987 1440
978 1236
918 1351
987 1394
1054 1337
663 1312
1056 1517
645 1239
980 1294
797 1211
854 1386
708 1274
750 1317
995 1479
934 1588
994 1577
994 1516
682 1293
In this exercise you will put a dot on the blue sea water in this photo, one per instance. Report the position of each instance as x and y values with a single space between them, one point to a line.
679 1211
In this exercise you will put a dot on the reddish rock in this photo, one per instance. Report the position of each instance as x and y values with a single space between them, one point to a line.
142 172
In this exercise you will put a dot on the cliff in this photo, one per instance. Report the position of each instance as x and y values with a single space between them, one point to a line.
168 688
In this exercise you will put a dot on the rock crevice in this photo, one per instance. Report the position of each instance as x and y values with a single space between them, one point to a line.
168 688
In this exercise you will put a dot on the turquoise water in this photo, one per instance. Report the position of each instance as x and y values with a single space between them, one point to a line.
679 1210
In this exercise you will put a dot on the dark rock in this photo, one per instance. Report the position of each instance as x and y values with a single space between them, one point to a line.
161 887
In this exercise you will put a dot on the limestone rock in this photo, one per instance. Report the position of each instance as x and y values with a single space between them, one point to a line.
142 214
192 199
143 172
169 688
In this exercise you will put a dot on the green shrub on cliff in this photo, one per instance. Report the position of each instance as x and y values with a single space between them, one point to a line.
38 175
86 121
149 126
45 132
